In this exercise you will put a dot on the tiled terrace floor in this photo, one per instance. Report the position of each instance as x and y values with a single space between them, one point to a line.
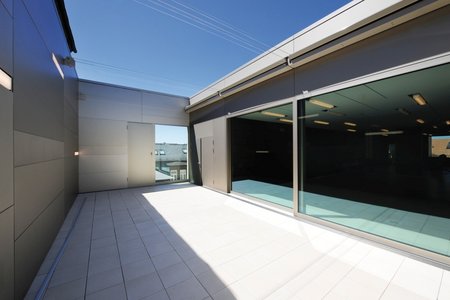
187 242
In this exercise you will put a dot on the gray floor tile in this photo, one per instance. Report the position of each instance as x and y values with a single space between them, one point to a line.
103 264
64 275
189 289
197 265
158 248
116 292
103 242
143 286
175 274
104 280
104 252
66 291
137 269
133 255
211 282
166 259
161 295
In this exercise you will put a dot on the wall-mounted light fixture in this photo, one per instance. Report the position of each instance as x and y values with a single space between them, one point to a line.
272 114
447 122
68 61
419 99
57 65
5 80
321 103
76 153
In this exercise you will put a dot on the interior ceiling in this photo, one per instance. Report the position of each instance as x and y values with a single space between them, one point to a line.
374 106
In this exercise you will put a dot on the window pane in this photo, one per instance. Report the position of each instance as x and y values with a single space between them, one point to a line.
374 158
261 155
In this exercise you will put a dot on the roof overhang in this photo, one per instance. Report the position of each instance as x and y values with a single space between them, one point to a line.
351 23
60 6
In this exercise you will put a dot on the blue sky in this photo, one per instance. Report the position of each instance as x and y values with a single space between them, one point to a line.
181 46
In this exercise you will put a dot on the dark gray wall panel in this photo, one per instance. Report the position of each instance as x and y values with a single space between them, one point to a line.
38 87
278 88
71 88
45 16
35 187
420 38
206 113
7 254
414 40
164 109
8 5
6 35
33 244
6 149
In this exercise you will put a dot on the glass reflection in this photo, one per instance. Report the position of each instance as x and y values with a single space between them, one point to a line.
376 158
261 155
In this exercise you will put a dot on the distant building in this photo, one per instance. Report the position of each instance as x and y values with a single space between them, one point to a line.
171 160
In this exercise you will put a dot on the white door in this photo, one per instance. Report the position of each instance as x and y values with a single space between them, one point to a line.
141 154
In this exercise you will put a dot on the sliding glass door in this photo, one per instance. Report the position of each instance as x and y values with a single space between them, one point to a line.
376 158
261 155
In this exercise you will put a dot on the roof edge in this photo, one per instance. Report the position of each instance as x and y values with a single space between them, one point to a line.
290 47
61 7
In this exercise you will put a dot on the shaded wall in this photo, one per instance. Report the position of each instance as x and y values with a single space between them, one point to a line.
39 135
105 111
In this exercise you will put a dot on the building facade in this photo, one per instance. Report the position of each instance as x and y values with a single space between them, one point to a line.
38 136
341 124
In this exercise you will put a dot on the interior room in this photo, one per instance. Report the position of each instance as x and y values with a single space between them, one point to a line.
375 158
261 154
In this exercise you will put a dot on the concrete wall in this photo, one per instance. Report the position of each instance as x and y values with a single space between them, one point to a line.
417 39
105 111
38 137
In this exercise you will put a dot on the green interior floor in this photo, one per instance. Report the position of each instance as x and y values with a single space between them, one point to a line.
423 231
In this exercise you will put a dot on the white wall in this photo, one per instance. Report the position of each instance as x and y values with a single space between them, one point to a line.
104 112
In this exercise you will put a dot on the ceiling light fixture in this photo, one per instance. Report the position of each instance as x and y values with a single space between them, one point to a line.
273 114
321 122
350 124
385 130
403 111
322 104
5 80
351 130
308 116
384 133
338 114
55 61
285 120
420 121
419 99
447 122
